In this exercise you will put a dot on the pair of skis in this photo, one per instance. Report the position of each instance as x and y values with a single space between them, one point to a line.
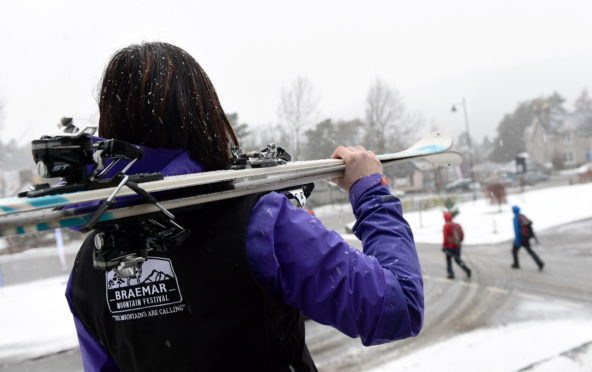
22 215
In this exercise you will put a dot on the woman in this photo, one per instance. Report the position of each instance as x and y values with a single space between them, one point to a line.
232 295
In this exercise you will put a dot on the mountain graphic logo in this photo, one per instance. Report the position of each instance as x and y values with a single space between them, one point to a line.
152 270
154 285
157 276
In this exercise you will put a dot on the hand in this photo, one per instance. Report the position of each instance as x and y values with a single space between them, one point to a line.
359 163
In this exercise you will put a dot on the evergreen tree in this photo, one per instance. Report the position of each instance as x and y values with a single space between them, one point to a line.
321 140
450 205
241 130
510 131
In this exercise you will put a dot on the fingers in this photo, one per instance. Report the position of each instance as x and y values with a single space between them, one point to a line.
338 153
341 152
359 163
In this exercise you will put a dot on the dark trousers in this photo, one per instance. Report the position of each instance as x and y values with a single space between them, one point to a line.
454 253
526 245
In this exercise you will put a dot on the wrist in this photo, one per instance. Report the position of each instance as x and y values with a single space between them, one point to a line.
363 184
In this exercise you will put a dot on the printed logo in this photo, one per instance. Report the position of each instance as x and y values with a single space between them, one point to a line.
154 285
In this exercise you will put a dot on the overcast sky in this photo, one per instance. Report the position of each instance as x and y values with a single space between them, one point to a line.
495 54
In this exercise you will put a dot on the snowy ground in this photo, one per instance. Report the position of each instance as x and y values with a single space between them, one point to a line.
35 320
512 346
484 223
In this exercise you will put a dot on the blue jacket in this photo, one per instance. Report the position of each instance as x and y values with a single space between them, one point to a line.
376 295
516 222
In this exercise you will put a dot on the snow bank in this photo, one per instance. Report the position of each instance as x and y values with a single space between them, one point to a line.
538 345
35 320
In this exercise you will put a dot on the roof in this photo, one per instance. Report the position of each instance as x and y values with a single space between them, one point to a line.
578 121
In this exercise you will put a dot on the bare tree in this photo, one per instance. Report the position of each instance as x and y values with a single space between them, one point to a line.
263 135
406 130
583 102
297 109
384 108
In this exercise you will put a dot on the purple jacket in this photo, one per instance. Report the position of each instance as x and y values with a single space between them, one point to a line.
376 295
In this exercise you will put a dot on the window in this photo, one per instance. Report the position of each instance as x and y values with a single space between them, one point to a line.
568 156
566 137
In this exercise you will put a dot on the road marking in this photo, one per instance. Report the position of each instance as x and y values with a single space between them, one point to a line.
497 290
568 303
529 296
457 282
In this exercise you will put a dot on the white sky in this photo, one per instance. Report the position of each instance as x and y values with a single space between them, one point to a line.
495 54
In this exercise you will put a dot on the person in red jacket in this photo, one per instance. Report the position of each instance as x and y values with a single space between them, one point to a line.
453 237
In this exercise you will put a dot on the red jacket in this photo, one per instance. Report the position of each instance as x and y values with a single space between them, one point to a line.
453 233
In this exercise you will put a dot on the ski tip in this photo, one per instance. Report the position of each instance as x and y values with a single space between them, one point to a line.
437 138
446 159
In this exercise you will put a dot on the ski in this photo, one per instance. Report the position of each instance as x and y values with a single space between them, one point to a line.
25 215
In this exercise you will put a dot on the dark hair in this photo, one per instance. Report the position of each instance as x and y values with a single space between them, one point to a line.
157 95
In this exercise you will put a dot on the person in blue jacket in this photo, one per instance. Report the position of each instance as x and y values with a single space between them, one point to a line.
234 294
522 234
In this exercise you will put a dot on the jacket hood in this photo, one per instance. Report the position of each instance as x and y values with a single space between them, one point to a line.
516 209
447 216
169 162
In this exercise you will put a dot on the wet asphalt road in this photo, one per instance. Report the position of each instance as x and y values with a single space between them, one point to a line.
495 295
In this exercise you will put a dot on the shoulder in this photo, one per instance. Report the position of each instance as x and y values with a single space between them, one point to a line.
274 206
180 162
271 200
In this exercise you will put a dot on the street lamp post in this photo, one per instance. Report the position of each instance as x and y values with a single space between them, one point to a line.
469 142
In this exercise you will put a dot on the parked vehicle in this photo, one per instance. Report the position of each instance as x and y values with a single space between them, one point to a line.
532 177
462 184
504 178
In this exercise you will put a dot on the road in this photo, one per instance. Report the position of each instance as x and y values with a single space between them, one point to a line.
495 295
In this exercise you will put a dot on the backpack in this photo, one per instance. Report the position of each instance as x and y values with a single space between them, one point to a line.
526 230
457 235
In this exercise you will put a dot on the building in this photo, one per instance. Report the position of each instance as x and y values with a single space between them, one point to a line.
566 142
418 176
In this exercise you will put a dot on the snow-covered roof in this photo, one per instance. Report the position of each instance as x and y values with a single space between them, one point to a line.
578 121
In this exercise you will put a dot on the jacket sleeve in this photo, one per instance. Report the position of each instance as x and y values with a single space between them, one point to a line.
445 233
376 295
517 235
94 355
